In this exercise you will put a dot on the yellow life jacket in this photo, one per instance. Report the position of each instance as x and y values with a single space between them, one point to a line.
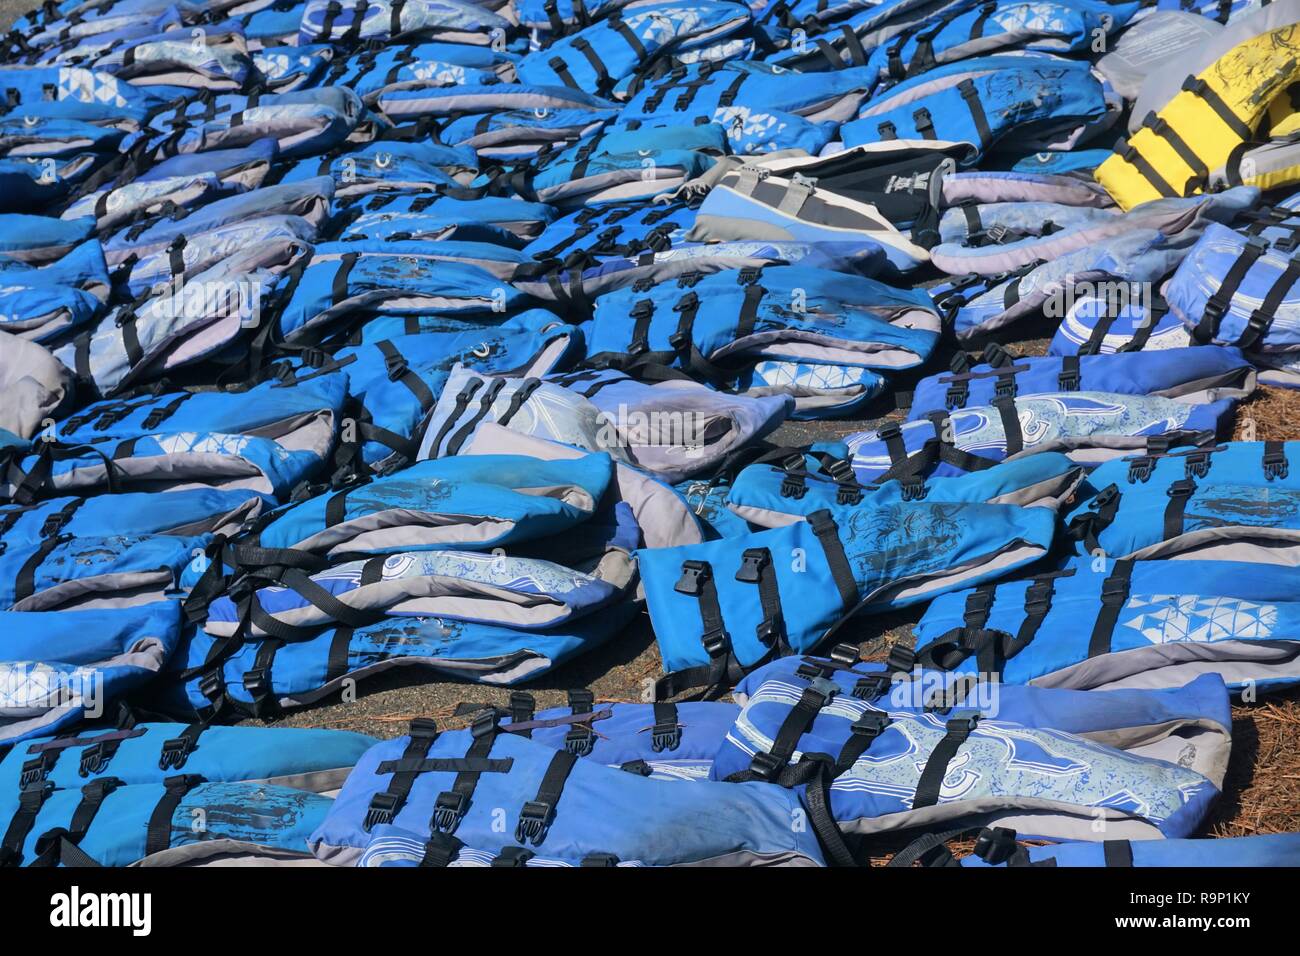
1216 113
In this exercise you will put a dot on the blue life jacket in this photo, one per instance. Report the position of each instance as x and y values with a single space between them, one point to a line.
871 751
1263 850
40 303
452 21
186 512
1235 502
399 216
722 607
60 667
1191 375
574 805
1109 624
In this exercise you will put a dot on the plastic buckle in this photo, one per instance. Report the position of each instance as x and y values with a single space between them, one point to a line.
901 658
1068 381
1139 469
534 820
448 809
1276 465
175 752
695 574
913 488
870 724
957 395
753 561
748 274
716 641
995 844
383 808
848 495
1213 311
1182 488
599 859
579 741
846 654
212 686
93 759
793 486
1197 464
97 790
1036 595
963 723
765 765
825 688
665 736
395 366
33 770
997 233
690 300
33 795
484 723
1114 590
1005 388
53 524
871 686
888 431
257 682
769 629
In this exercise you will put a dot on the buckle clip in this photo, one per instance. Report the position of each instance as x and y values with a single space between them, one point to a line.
695 574
396 366
824 687
579 741
716 641
93 759
665 736
1197 464
383 808
1182 488
1139 469
33 771
913 488
995 844
957 396
769 629
1276 465
174 753
753 561
871 724
871 687
448 809
963 723
534 820
765 765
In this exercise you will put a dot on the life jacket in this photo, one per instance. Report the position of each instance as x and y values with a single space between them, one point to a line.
590 173
450 21
1194 375
1215 113
997 846
792 486
1256 268
1105 325
465 774
672 429
982 101
1120 624
265 439
523 133
187 512
221 62
1228 502
1089 427
285 68
377 67
598 56
265 677
63 666
871 752
723 607
40 239
401 216
726 320
344 280
581 573
155 824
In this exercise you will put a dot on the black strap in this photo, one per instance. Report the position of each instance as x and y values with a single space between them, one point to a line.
386 805
462 401
1128 152
666 734
1217 304
1180 492
758 568
972 97
959 727
538 814
1275 462
771 765
1202 90
1015 437
827 533
30 800
1262 318
176 750
175 788
450 806
1114 594
1117 852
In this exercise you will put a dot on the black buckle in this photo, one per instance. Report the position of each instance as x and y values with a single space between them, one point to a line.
212 685
716 641
34 794
257 682
913 487
871 686
995 844
823 687
638 767
665 736
534 820
395 365
846 653
579 741
448 809
383 808
1197 464
695 574
752 563
53 524
888 431
769 630
957 396
174 753
748 274
94 759
793 486
599 859
1276 465
1068 381
1106 495
870 724
765 765
1139 469
848 495
484 723
901 658
962 723
34 770
1114 590
1037 595
1182 488
97 790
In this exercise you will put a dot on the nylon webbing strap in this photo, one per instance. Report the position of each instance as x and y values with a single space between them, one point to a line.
175 788
827 533
1218 303
49 847
538 814
1114 594
30 800
1015 437
1128 152
1262 318
768 765
461 403
958 729
1180 492
972 97
385 806
1202 90
666 734
756 567
1117 852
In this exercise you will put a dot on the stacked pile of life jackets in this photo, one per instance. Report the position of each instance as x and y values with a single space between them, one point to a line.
466 336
